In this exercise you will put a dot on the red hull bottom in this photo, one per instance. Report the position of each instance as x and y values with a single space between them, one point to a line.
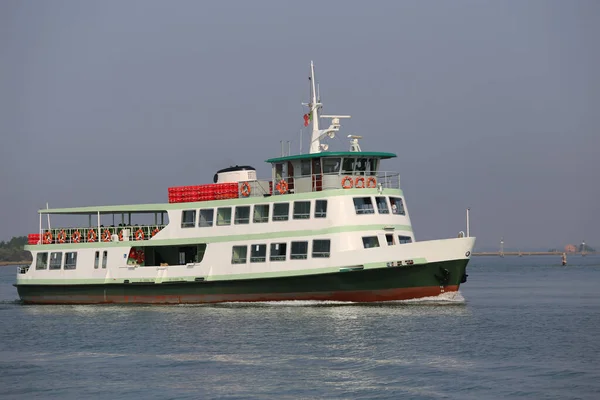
359 296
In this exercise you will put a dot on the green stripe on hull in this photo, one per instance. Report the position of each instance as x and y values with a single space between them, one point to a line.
357 285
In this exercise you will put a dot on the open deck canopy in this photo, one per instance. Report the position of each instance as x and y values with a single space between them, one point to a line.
126 209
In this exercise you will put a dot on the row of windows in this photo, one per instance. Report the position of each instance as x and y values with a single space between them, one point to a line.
278 251
69 261
364 205
373 241
260 214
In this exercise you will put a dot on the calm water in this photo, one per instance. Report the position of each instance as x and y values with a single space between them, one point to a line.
522 328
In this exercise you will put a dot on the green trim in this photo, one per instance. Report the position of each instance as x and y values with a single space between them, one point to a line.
145 208
309 156
229 277
217 239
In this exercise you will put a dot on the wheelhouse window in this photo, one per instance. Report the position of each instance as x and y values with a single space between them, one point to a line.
301 209
331 165
278 251
363 205
56 260
258 253
321 248
348 166
206 218
305 167
320 208
223 216
404 239
96 260
397 205
188 218
299 251
105 258
71 260
239 254
382 206
370 241
281 211
261 213
41 261
242 215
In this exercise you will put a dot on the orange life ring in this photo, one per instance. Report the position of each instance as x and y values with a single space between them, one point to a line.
121 235
155 231
62 236
76 237
139 234
371 182
282 187
92 236
245 190
347 180
47 237
106 236
360 180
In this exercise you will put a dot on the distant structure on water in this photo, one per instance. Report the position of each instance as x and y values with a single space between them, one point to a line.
570 248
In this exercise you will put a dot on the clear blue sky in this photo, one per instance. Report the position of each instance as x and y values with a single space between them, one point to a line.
489 104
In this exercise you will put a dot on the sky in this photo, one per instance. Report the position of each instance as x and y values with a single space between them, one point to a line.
492 105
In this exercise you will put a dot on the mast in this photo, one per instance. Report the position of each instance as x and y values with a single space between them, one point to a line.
315 141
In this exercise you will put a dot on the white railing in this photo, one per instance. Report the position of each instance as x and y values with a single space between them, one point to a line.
106 234
316 182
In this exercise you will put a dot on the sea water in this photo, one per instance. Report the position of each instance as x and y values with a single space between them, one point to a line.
521 327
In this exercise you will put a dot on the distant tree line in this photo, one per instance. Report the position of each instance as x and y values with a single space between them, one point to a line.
13 250
587 249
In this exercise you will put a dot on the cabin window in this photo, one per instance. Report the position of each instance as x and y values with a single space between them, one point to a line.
239 254
331 165
281 211
188 218
242 215
96 260
304 167
278 251
348 166
382 206
361 166
320 208
389 238
105 258
258 253
404 239
321 248
299 251
56 260
363 205
301 209
223 216
41 261
397 205
206 218
261 213
370 241
71 260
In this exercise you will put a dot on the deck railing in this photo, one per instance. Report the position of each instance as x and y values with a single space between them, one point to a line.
105 234
317 182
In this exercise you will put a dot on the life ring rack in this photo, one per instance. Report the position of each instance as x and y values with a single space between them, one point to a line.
347 182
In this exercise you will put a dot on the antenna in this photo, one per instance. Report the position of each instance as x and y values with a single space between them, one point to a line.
354 146
468 223
300 141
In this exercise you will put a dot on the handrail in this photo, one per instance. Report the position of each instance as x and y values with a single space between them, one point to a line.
91 234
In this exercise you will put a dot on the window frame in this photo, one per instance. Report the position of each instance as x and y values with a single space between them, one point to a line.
54 266
261 219
281 217
401 209
96 260
321 254
299 256
200 217
278 257
104 259
218 212
320 213
385 202
73 264
239 260
370 239
261 253
45 260
237 220
402 239
185 224
363 210
298 215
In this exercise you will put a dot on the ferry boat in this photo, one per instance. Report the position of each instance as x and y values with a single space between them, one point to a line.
326 225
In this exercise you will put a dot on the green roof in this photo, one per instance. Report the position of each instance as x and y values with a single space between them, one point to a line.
362 154
126 209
